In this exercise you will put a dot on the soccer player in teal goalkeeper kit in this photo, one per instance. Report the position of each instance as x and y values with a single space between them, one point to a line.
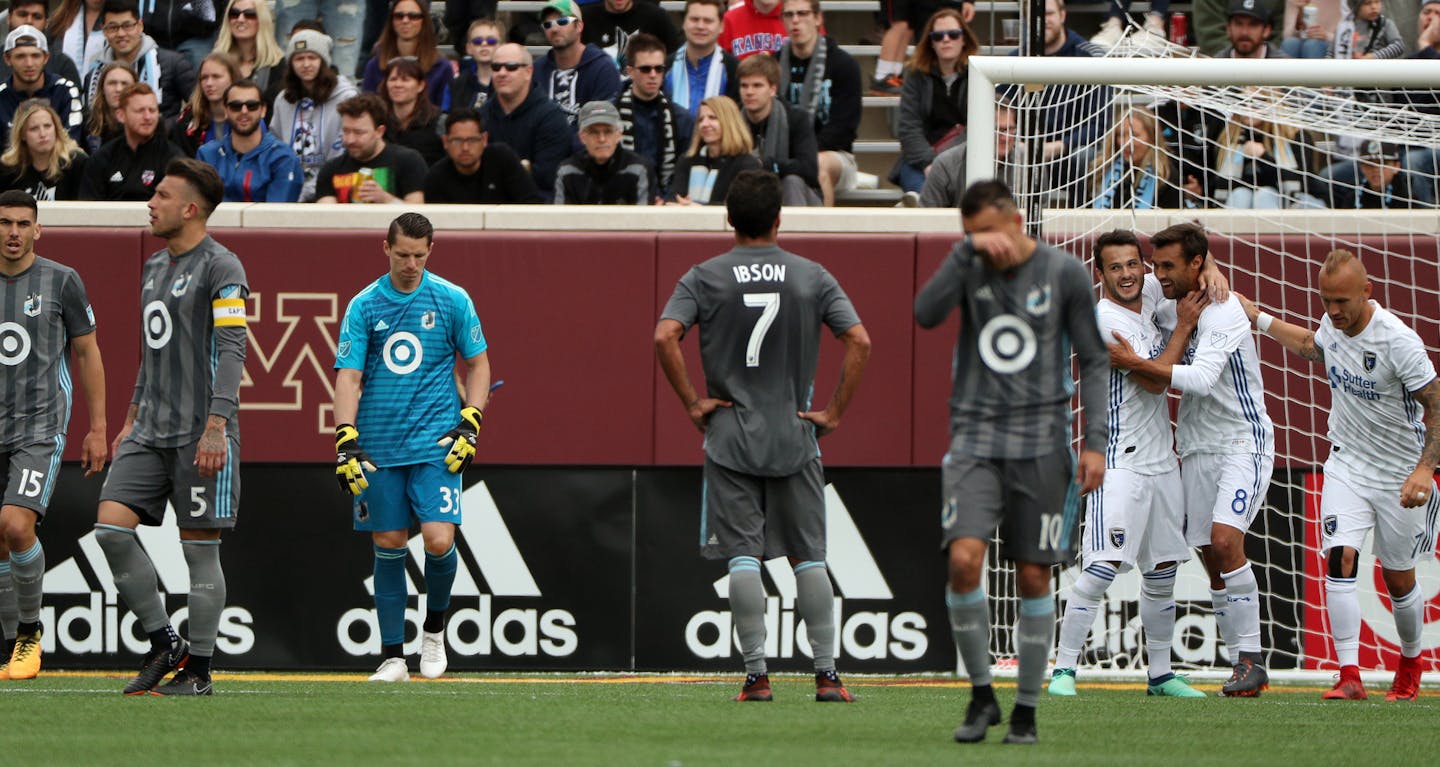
398 344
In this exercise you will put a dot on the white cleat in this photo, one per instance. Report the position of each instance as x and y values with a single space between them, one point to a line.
392 670
1110 33
432 654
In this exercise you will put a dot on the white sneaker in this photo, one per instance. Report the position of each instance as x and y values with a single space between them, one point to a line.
1155 25
392 670
1110 33
432 654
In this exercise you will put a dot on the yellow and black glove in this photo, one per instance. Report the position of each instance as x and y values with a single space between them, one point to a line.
461 440
351 462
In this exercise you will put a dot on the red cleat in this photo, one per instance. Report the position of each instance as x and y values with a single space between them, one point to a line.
757 688
1349 687
829 689
1407 680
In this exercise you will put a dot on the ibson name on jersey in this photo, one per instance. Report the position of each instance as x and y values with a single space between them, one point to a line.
759 273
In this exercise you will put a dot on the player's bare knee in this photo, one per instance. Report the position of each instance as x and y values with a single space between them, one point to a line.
1398 582
439 537
199 535
1032 580
116 514
389 539
966 562
17 527
1340 563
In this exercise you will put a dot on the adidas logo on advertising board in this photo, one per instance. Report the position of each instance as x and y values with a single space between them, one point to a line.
476 630
860 634
97 624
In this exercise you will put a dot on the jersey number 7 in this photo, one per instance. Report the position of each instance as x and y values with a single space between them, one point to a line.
770 306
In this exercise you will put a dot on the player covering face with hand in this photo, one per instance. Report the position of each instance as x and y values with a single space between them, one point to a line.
398 345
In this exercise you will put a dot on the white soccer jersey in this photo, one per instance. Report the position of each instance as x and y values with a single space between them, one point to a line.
1376 426
1222 403
1140 436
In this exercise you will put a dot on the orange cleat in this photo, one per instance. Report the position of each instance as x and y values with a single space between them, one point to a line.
1349 687
1407 680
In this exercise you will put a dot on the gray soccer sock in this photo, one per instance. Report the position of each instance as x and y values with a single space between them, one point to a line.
9 607
815 601
970 625
1034 633
747 611
134 575
207 594
27 569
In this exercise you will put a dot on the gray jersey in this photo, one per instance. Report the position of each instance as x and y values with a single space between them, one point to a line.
193 344
760 310
41 309
1013 382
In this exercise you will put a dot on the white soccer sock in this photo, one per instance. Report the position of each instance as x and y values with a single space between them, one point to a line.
884 68
1220 605
1157 615
1243 595
1409 621
1343 608
1080 609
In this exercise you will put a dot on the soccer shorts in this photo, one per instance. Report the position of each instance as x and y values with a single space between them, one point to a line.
1226 489
744 515
1034 502
144 478
1348 511
427 492
1136 519
30 471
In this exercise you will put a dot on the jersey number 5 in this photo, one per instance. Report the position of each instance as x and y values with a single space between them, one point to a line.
769 304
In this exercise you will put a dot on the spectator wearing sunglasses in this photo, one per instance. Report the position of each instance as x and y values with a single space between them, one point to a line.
410 33
573 73
254 165
249 35
933 96
525 119
820 78
612 24
472 87
650 124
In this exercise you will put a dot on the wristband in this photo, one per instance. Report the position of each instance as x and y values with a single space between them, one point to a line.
1262 323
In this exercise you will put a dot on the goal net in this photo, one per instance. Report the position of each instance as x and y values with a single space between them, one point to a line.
1282 161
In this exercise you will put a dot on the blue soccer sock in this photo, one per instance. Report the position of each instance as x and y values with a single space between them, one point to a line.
390 594
439 579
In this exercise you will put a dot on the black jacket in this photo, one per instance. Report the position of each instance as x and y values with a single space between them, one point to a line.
726 169
538 130
500 180
804 159
627 179
116 172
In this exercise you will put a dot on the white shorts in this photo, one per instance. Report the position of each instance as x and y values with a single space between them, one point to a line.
1136 519
1348 512
848 171
1226 489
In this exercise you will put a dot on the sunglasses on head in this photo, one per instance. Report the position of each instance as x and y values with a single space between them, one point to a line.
562 21
407 15
650 69
942 34
253 105
509 66
249 13
484 41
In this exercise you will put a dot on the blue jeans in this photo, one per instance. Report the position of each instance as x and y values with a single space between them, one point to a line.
196 49
912 177
343 22
1308 48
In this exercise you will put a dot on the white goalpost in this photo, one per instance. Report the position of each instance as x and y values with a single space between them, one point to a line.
1281 160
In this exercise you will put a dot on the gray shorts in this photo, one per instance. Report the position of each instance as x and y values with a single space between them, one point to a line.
30 472
744 515
144 478
1034 502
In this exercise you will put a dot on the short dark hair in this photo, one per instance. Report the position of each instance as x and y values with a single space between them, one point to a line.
986 194
131 7
16 198
1114 237
42 3
365 104
314 25
465 115
411 225
643 42
244 84
1191 237
718 5
753 202
761 64
203 178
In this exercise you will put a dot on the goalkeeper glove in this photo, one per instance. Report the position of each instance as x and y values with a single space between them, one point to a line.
351 462
461 440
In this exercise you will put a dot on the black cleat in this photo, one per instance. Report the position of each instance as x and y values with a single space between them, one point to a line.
185 683
1021 734
1247 680
979 717
158 665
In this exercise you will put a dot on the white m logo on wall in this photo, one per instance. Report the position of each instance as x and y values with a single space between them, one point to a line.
476 630
96 625
863 635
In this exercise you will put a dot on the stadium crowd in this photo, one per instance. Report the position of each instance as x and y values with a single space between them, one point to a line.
627 108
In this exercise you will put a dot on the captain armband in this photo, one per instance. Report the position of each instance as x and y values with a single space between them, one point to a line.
228 312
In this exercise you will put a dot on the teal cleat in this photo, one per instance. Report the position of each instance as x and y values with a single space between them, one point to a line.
1172 686
1062 682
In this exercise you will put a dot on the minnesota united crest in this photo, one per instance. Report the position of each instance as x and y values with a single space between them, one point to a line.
33 305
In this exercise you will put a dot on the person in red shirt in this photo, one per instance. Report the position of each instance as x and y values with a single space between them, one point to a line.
753 26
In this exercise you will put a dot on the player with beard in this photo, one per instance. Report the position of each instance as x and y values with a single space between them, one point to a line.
254 165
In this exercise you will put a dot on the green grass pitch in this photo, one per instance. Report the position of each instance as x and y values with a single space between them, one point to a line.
669 721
